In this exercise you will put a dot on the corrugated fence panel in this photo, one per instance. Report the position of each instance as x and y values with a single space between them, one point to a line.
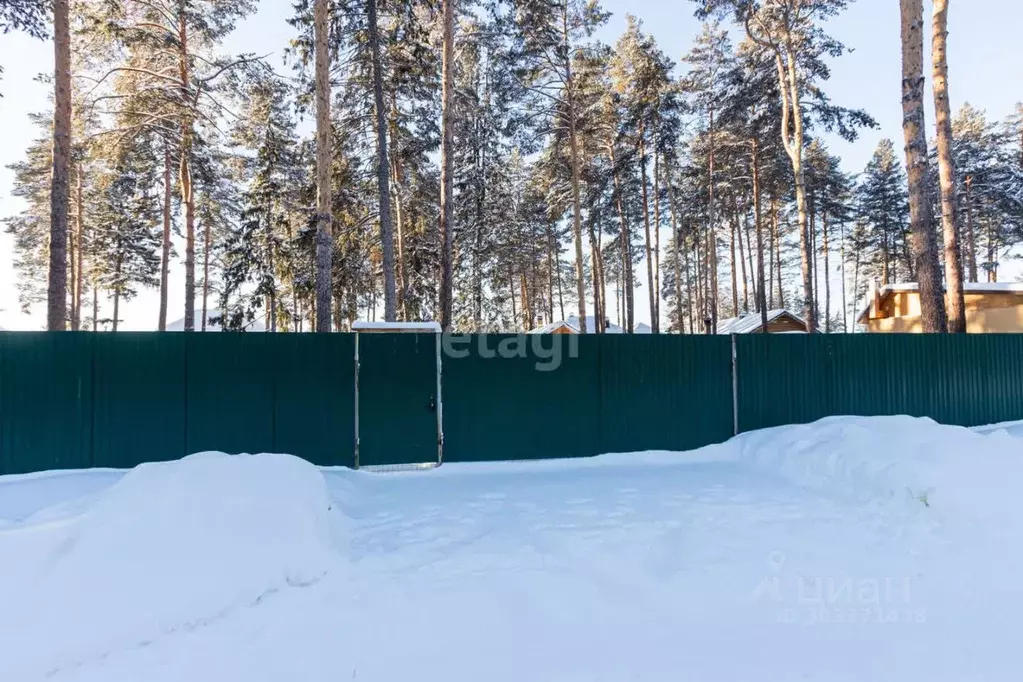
526 396
314 401
74 400
139 398
397 398
230 392
967 380
45 401
664 392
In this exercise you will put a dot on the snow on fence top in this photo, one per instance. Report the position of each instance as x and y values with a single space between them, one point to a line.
396 327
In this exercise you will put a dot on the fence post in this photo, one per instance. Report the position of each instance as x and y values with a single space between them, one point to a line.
735 390
355 459
440 400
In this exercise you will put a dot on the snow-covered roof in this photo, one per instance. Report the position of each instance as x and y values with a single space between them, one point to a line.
968 288
573 324
396 327
750 322
643 328
179 324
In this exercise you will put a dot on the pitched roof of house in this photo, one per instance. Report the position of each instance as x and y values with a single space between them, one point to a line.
643 328
751 322
573 324
968 288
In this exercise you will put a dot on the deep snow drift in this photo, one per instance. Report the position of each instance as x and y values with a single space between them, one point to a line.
168 547
850 549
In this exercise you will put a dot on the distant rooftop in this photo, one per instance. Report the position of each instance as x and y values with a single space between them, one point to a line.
751 322
573 324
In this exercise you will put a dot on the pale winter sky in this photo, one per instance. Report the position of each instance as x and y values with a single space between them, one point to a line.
985 57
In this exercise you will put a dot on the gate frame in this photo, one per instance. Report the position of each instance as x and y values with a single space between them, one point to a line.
402 328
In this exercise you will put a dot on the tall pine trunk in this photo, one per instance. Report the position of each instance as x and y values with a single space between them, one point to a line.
596 270
625 245
743 252
383 165
734 224
323 163
813 260
677 260
845 306
447 162
857 257
792 134
60 189
117 295
971 235
656 322
166 244
78 257
827 275
712 242
992 252
776 219
805 257
573 141
206 272
646 230
946 169
95 304
185 171
689 293
925 253
550 276
758 219
701 307
771 234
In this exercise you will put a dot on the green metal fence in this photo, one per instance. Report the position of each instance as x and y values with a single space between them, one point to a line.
77 400
967 380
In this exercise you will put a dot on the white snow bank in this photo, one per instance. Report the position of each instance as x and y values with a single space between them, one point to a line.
170 547
901 458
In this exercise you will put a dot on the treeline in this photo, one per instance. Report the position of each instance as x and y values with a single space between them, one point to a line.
490 165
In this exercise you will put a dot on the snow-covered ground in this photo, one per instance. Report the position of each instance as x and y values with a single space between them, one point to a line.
851 549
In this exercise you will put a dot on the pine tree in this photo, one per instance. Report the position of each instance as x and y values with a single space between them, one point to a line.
171 56
259 251
447 169
549 34
640 74
932 302
31 227
790 30
883 214
323 163
949 206
56 296
710 60
987 162
127 237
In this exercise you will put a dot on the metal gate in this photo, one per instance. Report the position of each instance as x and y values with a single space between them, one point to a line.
398 407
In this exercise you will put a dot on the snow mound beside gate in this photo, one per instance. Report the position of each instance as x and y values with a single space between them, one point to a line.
170 547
